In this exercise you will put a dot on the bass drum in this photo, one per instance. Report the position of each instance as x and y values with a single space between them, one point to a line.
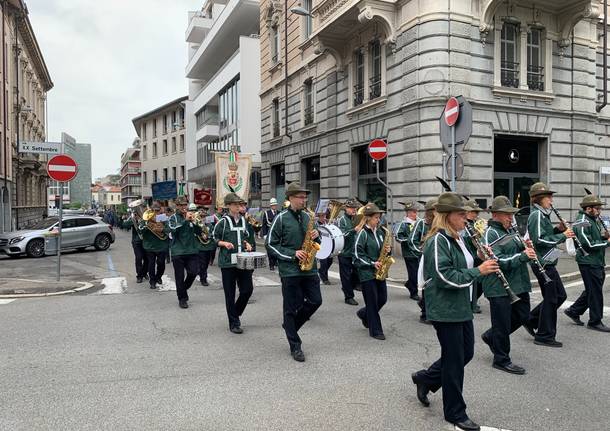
332 241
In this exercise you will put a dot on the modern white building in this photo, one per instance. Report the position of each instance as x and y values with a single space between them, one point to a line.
223 106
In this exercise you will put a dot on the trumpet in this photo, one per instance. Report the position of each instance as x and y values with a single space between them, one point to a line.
204 237
253 222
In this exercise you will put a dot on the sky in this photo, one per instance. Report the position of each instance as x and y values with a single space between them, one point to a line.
110 61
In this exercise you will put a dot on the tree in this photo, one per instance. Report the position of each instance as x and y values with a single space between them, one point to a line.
75 205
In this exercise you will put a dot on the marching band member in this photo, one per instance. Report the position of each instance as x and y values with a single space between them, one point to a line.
542 324
251 238
347 270
268 217
472 216
449 300
506 318
231 236
300 289
184 249
324 263
155 243
420 231
409 253
367 250
207 247
138 250
592 267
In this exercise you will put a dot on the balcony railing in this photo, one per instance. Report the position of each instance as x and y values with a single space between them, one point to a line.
509 74
535 78
276 129
358 94
308 115
375 87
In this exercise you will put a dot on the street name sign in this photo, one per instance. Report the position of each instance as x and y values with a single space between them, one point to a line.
40 147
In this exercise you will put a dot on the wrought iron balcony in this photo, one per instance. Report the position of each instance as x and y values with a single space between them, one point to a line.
358 94
276 129
308 116
509 74
375 87
535 78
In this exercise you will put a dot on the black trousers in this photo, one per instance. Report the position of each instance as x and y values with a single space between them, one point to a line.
323 268
156 266
375 294
457 349
506 318
272 260
592 297
422 304
301 298
190 263
348 276
212 256
412 264
204 262
544 316
236 278
141 260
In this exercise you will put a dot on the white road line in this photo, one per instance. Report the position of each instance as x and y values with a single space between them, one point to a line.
336 275
114 286
568 304
264 281
167 284
6 301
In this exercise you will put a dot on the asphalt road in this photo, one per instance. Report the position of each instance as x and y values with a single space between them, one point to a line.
135 361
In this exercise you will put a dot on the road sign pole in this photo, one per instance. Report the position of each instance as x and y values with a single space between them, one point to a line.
61 204
390 201
453 160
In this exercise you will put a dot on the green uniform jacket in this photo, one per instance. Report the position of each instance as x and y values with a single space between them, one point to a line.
251 236
448 280
512 261
420 230
346 224
544 236
285 237
150 241
366 252
404 235
211 245
592 240
183 233
135 234
227 229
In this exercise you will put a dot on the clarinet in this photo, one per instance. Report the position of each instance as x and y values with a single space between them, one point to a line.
534 263
600 221
489 255
577 242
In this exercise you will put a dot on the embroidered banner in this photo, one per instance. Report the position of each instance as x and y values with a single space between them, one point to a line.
232 172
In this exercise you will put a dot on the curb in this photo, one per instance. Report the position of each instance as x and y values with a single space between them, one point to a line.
85 286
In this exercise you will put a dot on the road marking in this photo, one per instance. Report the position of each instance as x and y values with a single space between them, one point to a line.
114 286
567 304
484 428
111 264
167 284
6 301
264 281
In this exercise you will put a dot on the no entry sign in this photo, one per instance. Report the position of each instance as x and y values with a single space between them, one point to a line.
62 168
378 149
452 111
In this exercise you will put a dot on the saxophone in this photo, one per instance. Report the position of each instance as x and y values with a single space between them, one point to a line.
310 247
384 257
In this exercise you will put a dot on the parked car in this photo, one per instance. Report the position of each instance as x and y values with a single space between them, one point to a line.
77 232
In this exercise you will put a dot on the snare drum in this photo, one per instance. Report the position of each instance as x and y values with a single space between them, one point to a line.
251 260
332 241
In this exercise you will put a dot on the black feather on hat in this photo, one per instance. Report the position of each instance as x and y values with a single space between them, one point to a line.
446 186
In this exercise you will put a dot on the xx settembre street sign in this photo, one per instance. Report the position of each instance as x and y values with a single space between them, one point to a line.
378 149
62 168
40 147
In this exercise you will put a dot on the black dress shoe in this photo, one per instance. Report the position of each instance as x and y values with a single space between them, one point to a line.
351 301
549 343
415 297
573 318
236 330
488 342
379 337
467 425
424 321
530 330
139 279
183 304
599 327
298 355
422 391
477 309
153 286
205 283
510 368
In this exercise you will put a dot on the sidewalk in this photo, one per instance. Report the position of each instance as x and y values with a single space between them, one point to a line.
23 288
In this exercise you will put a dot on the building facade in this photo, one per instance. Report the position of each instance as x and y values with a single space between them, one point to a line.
110 196
79 189
223 105
131 173
25 83
360 70
163 147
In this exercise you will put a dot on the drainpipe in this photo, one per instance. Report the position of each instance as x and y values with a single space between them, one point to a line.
598 108
4 98
17 113
286 133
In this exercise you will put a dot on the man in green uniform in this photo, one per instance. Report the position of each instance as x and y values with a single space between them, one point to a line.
206 246
347 271
138 250
300 289
512 258
592 267
154 241
409 253
184 249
